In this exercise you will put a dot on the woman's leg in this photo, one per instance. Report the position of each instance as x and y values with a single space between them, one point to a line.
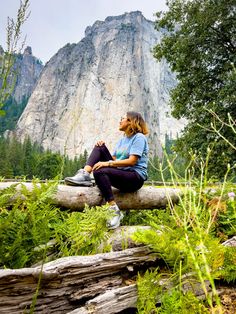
124 180
99 153
82 177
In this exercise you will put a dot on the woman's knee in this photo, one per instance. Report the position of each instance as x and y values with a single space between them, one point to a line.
98 172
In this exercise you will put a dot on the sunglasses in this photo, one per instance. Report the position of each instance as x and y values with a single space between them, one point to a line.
124 118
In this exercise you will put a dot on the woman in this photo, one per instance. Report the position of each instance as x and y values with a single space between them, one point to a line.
125 169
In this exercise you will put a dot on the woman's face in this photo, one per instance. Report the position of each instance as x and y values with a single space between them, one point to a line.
124 123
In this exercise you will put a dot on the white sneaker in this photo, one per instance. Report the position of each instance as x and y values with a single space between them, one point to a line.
114 222
82 178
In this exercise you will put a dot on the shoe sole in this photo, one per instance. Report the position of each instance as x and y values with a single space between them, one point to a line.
75 183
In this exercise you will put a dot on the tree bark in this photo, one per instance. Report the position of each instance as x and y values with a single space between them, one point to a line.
75 197
68 283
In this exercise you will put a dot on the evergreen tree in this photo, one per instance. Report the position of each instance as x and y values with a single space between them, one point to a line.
29 158
5 166
49 165
159 168
15 157
12 111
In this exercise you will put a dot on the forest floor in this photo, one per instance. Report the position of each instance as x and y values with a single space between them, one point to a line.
228 298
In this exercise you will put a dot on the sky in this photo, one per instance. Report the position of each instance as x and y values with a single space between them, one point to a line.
54 23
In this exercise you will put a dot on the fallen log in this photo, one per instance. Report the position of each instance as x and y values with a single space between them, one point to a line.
75 197
101 283
67 283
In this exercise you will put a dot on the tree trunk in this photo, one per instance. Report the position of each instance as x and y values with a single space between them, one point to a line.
75 198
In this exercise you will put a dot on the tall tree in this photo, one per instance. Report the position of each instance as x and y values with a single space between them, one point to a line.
49 165
200 45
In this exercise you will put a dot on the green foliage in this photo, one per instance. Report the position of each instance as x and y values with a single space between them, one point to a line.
168 240
12 111
158 168
224 211
28 224
82 233
156 296
29 160
134 217
148 290
176 302
187 237
49 165
228 271
200 47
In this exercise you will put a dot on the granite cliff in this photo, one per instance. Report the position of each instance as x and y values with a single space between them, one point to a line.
23 77
28 69
25 73
86 87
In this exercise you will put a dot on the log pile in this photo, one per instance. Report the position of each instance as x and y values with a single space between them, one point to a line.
75 197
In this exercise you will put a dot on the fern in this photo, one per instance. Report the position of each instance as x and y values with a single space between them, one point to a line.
27 224
82 233
174 301
148 291
155 295
228 269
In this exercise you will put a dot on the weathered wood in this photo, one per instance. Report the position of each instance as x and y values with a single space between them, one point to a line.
75 198
112 301
123 298
101 283
121 238
230 242
69 282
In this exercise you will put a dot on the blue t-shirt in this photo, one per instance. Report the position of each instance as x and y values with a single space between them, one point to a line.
134 145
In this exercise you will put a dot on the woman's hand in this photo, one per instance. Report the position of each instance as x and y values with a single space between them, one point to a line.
100 143
100 164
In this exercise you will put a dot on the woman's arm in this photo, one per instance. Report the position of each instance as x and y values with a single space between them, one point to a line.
129 162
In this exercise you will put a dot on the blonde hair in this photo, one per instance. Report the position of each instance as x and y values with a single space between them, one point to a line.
137 124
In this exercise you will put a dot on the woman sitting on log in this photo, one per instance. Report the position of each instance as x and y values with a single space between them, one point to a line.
125 169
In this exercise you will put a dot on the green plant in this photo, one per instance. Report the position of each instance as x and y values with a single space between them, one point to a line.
174 301
26 222
157 295
148 290
185 235
82 233
199 46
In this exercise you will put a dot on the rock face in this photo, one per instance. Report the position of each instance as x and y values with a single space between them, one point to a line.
28 69
86 87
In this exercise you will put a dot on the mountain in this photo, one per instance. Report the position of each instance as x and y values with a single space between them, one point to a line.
25 73
86 87
28 69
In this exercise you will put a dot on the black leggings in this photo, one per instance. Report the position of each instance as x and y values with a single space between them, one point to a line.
106 177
